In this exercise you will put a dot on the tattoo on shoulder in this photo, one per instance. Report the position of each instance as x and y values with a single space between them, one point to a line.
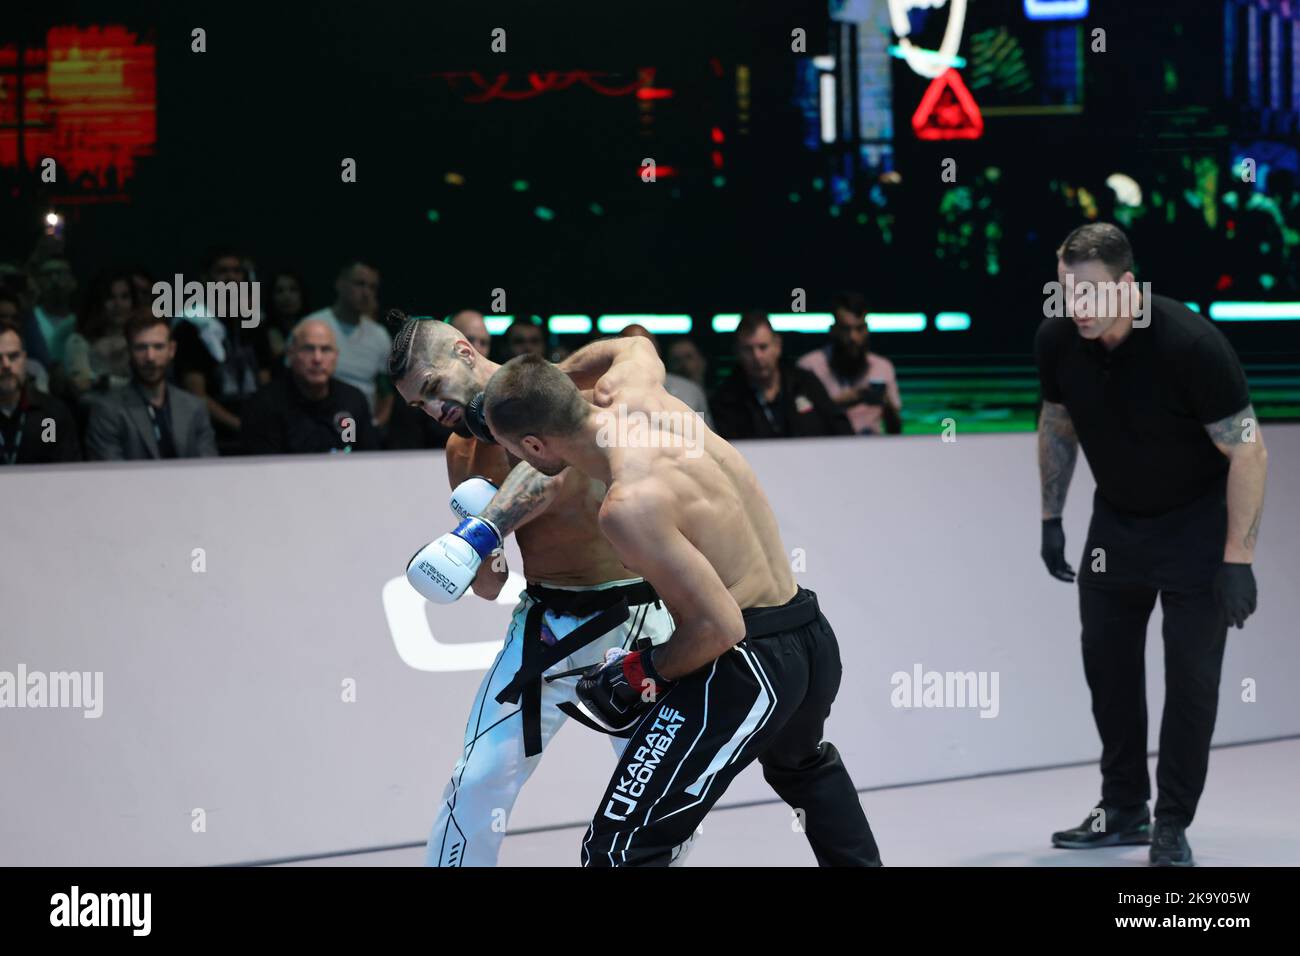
1235 429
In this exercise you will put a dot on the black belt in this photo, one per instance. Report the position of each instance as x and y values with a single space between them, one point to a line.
610 605
800 611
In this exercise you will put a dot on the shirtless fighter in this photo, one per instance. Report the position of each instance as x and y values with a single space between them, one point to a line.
580 599
753 666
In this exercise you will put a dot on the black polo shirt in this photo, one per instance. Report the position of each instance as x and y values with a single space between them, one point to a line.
279 419
1140 412
802 409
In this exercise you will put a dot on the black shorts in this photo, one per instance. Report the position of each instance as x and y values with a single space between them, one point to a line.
767 699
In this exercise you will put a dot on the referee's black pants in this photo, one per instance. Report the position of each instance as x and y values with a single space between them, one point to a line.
1114 642
766 699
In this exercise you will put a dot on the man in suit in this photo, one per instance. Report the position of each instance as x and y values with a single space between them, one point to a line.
149 418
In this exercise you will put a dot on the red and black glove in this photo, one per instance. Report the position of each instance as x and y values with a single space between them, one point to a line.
618 692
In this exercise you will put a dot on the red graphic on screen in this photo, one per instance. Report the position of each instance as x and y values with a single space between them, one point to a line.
499 87
88 99
947 110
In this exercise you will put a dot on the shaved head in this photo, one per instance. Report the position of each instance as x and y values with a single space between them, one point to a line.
470 324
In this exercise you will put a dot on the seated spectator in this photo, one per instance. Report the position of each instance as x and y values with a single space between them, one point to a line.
685 359
142 283
14 282
288 304
34 428
218 359
310 410
10 306
363 344
764 399
682 389
470 324
149 418
96 354
52 320
525 338
857 379
11 309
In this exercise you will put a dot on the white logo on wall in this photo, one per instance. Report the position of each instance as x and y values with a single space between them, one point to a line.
408 623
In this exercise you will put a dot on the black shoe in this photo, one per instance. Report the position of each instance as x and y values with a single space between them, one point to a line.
1117 827
1169 846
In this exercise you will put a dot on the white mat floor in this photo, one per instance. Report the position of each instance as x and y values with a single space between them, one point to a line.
1249 816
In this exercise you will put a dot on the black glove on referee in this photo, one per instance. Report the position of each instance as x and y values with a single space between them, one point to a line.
1053 550
1234 590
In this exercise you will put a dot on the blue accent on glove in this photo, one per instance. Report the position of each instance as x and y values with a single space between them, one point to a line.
481 535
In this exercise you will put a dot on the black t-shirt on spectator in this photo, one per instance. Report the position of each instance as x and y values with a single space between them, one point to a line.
279 419
411 428
22 433
233 379
802 409
1140 412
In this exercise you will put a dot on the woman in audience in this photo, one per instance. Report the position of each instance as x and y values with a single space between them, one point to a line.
288 304
95 356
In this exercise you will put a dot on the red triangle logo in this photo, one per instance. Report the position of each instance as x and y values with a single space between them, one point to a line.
947 110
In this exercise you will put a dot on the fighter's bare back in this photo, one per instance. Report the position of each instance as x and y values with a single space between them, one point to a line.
708 491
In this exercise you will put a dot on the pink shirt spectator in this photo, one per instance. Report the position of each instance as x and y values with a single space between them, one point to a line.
862 417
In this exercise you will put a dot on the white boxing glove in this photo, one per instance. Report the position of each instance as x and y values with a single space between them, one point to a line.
443 570
471 497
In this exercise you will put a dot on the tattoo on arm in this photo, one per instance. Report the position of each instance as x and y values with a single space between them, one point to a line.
1235 429
1252 535
524 494
1058 450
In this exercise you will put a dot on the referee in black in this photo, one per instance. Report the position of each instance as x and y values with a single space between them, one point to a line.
1156 397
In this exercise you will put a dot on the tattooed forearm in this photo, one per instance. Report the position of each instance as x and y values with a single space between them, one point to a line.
1058 450
524 495
1252 534
1240 439
1235 429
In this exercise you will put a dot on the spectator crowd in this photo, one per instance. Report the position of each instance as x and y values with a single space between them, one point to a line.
103 376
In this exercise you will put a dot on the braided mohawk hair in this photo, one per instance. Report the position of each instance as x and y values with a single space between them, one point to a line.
399 359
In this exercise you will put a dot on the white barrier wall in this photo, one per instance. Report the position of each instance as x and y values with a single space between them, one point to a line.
223 696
